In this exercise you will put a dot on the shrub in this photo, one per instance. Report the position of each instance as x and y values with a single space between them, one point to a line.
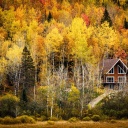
26 119
112 121
8 105
1 120
73 119
43 118
50 122
109 103
104 117
95 117
53 119
8 120
87 118
17 120
39 119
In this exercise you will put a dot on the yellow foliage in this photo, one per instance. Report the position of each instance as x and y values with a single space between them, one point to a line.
19 13
14 55
94 13
10 98
107 37
53 40
3 65
74 94
4 47
79 35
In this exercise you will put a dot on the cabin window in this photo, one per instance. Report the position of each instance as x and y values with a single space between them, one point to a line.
111 86
122 79
120 70
111 71
110 79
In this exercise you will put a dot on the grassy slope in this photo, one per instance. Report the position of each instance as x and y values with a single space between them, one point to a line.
64 124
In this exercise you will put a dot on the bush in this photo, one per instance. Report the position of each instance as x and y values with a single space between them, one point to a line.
8 120
43 118
112 121
39 119
73 119
50 122
53 119
87 118
17 120
8 105
1 120
95 117
104 117
109 103
26 119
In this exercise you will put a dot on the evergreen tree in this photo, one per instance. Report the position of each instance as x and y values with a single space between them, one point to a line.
125 24
118 3
27 73
115 1
106 17
49 17
24 96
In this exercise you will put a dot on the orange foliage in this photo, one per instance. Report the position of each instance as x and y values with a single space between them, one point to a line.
120 53
86 19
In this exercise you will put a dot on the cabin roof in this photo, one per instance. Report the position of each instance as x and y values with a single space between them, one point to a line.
107 64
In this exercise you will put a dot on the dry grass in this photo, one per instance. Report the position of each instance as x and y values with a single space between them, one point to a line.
65 124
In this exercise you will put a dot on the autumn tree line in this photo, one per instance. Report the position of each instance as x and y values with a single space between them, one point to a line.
50 52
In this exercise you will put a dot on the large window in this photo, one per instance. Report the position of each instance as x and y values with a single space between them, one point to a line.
110 79
120 70
111 71
122 79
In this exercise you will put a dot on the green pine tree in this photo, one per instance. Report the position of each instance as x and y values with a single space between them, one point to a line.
27 73
106 17
125 24
49 17
118 3
24 96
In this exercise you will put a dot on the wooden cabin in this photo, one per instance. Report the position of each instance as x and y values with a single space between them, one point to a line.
114 74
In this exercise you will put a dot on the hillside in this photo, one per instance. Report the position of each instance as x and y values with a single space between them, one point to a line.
50 52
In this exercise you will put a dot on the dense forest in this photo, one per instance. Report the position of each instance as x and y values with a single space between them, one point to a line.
50 52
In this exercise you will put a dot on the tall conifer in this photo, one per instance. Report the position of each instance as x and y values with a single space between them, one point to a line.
125 24
106 17
27 72
49 17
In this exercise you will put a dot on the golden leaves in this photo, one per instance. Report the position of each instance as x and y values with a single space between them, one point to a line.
53 40
14 55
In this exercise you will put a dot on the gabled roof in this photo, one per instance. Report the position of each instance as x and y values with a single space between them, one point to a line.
107 64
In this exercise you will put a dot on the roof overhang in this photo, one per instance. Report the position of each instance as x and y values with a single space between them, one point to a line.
116 63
